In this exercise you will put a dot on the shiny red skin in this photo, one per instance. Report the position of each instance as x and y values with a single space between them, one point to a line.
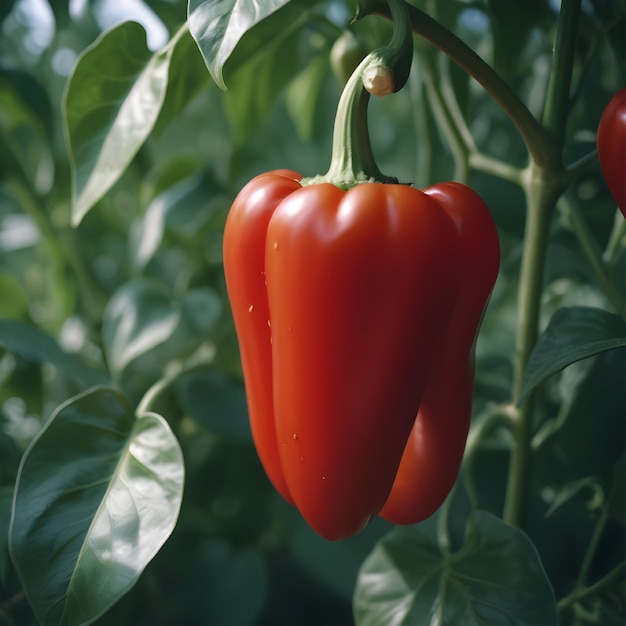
341 301
611 141
433 455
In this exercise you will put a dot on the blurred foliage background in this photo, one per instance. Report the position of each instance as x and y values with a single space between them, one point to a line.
147 259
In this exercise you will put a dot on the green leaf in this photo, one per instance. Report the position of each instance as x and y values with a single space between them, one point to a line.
139 317
33 344
112 102
98 493
495 578
187 76
218 25
573 334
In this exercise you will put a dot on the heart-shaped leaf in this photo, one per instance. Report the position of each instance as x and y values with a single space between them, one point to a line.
98 493
495 578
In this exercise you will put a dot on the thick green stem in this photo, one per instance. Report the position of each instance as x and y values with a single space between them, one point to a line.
543 185
381 72
541 196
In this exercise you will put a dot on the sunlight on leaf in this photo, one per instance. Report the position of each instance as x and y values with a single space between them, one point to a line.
218 25
98 493
111 104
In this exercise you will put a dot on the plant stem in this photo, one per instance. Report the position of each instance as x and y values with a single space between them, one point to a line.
617 239
593 254
488 165
424 152
543 184
541 148
616 574
381 72
540 201
450 128
482 426
592 546
558 96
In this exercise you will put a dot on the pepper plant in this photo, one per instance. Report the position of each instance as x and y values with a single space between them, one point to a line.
172 316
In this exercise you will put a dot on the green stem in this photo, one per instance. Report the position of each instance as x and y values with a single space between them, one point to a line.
614 576
578 166
381 72
488 165
482 426
424 153
450 128
558 96
617 239
593 254
154 392
541 196
543 183
449 117
592 547
538 142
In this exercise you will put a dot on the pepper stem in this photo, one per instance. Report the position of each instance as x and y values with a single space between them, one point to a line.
383 71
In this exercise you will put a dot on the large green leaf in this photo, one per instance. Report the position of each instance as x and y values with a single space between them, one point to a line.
33 344
495 578
112 102
573 334
218 25
98 493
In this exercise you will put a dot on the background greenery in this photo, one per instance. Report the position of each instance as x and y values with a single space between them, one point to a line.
110 274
